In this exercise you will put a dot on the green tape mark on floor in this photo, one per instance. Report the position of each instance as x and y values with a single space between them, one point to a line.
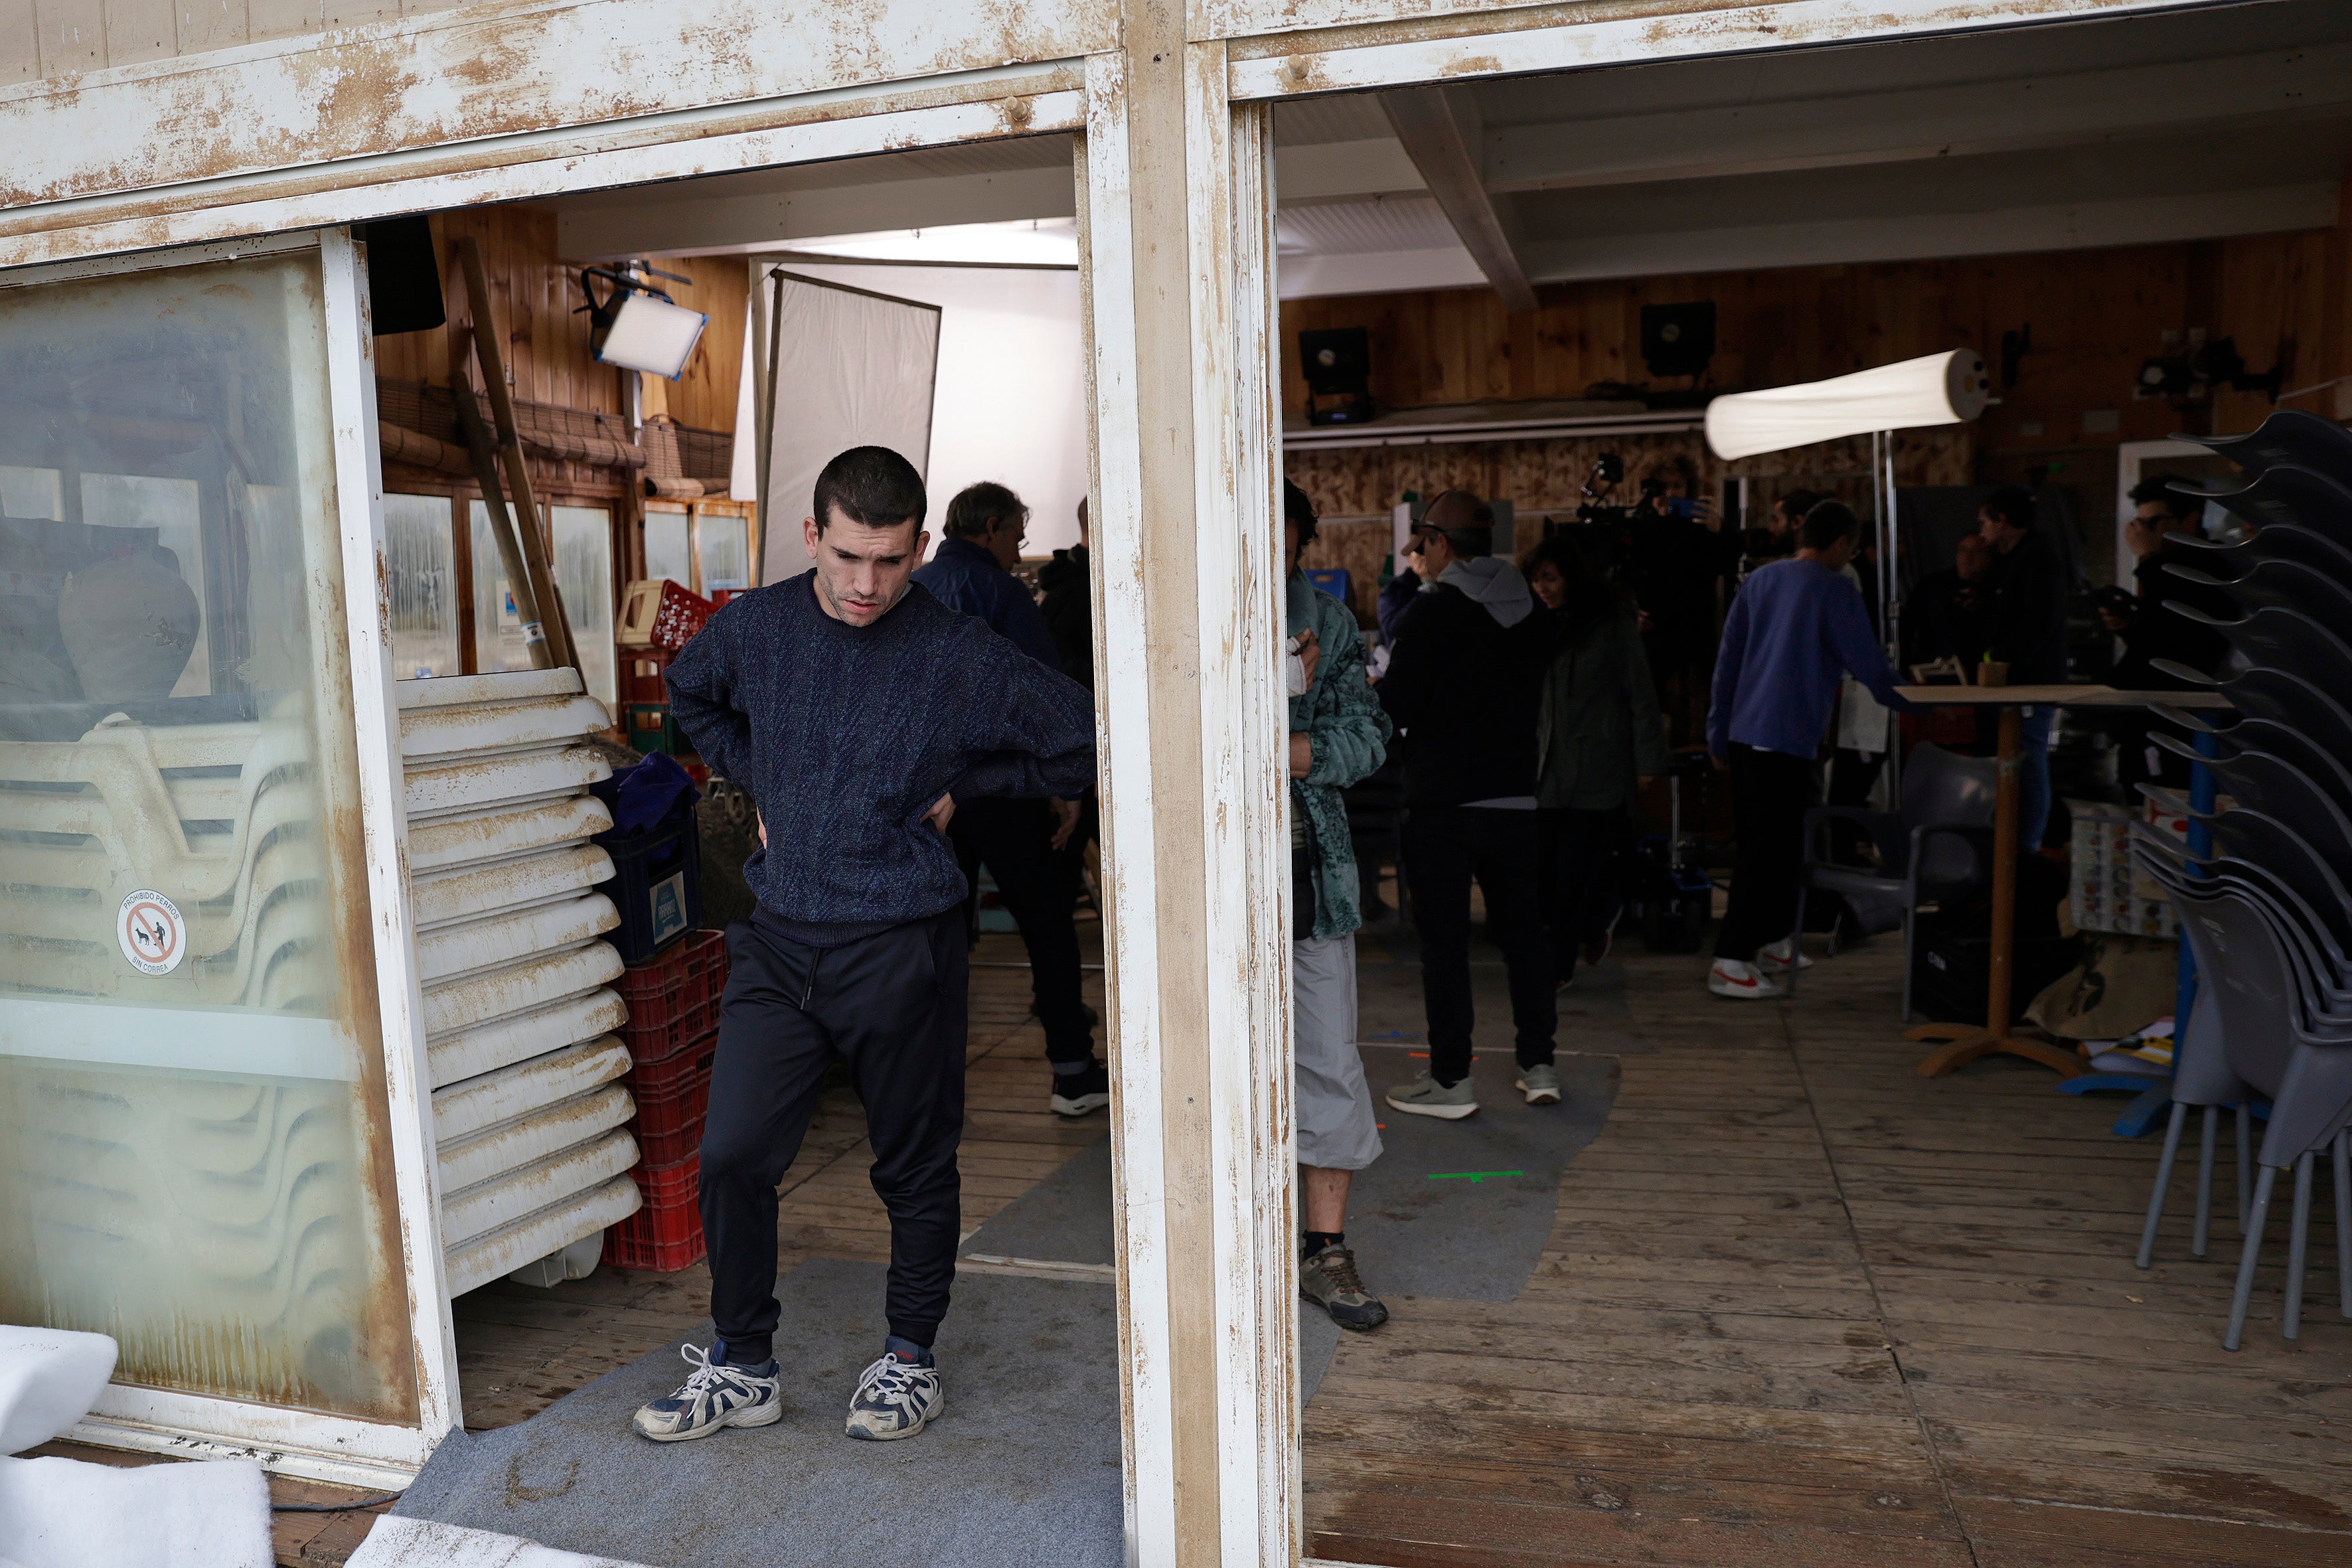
1470 1175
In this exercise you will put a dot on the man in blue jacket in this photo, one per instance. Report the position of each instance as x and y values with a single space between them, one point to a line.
1797 625
1016 840
855 709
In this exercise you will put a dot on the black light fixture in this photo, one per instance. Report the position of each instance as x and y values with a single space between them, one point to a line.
2191 375
1678 340
1338 363
638 326
404 276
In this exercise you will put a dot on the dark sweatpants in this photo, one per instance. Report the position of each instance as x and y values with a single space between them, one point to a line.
893 1005
1445 846
1771 793
1015 839
1577 880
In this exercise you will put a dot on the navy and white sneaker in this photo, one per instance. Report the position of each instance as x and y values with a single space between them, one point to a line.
896 1398
715 1395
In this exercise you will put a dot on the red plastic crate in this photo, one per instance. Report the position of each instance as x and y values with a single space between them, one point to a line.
674 1000
681 615
666 1235
672 1098
642 669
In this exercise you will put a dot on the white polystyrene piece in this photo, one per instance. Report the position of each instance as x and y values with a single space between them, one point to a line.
471 893
499 686
518 987
1947 389
550 723
575 1261
477 1104
459 839
546 1130
70 1514
504 1199
48 1380
450 952
470 1052
396 1543
470 786
490 1256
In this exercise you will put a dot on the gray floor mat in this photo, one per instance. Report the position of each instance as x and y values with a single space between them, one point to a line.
1021 1471
1455 1210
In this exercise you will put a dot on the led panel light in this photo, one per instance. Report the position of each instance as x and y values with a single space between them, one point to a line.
652 335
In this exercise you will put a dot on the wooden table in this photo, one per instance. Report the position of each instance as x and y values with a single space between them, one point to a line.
1961 1043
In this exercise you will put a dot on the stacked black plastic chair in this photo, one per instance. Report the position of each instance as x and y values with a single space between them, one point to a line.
2267 909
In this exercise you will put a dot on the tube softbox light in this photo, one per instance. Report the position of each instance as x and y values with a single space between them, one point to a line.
1936 389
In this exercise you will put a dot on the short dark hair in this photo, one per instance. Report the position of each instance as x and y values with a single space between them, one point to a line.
1796 503
874 487
2161 493
2012 505
1298 512
1825 523
975 507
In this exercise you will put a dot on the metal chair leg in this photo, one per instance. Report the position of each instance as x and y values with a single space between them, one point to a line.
2245 1161
2259 1212
2158 1193
1910 924
2343 1222
1796 941
2298 1245
2203 1233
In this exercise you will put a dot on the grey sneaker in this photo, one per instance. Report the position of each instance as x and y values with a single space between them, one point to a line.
1425 1097
1328 1279
1540 1084
894 1399
715 1395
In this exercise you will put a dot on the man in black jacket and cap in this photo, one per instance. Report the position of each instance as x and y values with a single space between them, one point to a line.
2029 634
1462 687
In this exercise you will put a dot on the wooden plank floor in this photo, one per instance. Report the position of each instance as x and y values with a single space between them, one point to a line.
1802 1306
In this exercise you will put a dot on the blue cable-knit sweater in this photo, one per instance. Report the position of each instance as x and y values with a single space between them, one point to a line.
844 736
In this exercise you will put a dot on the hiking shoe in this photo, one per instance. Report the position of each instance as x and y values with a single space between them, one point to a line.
714 1395
1729 977
1540 1084
1424 1096
1076 1094
1328 1279
894 1399
1775 960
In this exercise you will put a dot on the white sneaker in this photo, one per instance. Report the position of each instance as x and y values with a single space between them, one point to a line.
1774 960
1729 977
894 1399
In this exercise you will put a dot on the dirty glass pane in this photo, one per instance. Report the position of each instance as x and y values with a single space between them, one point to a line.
193 1125
421 565
582 560
724 544
498 626
666 551
583 575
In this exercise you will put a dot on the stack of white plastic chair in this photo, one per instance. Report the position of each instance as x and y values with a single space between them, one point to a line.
528 1109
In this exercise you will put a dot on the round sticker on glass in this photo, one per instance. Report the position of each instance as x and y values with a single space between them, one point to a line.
153 936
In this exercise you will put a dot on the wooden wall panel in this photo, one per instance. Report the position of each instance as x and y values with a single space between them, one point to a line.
57 37
534 296
2095 317
704 397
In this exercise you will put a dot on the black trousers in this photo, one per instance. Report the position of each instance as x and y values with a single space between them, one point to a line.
893 1007
1771 793
1014 838
1576 878
1444 847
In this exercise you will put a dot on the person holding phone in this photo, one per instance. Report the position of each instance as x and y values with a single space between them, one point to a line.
855 709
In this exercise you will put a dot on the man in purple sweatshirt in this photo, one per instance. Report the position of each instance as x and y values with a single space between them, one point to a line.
1796 627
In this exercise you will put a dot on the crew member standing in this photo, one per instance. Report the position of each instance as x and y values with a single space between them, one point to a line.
853 708
1795 628
2029 634
1338 736
1019 840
